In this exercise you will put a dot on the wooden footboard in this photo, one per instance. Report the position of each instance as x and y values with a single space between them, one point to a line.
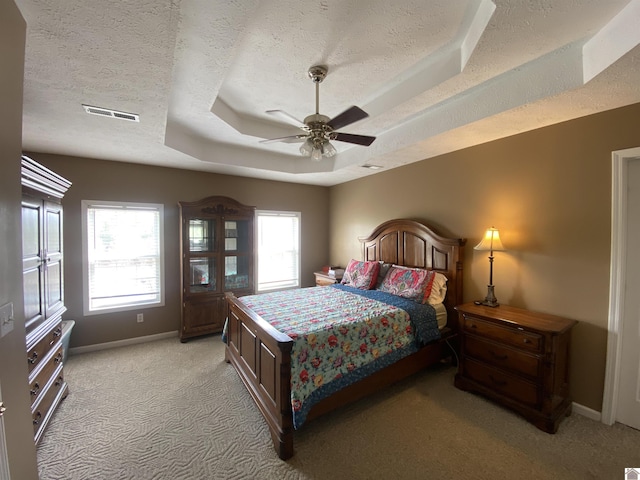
262 357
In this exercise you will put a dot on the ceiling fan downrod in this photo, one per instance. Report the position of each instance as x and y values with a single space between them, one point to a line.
317 74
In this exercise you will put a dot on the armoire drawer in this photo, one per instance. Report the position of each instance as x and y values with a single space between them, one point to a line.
41 409
39 351
37 384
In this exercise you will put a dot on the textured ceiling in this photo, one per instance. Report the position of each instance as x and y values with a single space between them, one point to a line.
434 76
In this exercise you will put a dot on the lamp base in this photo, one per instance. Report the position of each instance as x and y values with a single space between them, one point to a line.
490 300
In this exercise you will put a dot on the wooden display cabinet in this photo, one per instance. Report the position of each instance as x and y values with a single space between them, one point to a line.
216 257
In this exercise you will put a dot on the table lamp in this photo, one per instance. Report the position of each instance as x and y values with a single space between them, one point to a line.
491 242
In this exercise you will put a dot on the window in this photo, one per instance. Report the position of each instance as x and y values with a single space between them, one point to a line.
278 249
123 254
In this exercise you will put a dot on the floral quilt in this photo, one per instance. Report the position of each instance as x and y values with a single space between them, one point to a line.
341 334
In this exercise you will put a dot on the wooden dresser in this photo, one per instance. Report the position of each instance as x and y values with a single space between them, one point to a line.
517 358
43 281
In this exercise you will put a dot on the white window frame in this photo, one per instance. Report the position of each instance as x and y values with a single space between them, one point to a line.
85 206
260 213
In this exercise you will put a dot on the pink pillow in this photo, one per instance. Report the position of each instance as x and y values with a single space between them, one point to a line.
412 283
362 275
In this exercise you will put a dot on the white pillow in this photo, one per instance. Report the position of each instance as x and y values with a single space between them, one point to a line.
438 289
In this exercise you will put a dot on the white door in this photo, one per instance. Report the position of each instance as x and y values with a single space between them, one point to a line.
628 402
4 459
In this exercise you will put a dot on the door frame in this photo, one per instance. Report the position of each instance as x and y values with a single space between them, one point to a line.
4 458
620 163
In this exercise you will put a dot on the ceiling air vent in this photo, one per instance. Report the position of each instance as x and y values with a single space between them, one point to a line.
106 112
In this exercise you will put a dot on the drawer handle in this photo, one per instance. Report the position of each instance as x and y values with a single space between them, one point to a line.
57 332
500 383
58 358
35 390
473 325
33 358
37 419
526 340
59 381
498 357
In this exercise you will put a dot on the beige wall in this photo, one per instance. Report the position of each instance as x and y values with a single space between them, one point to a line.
548 192
103 180
13 365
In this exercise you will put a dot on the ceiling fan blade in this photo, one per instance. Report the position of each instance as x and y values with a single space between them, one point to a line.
349 116
289 139
286 117
357 139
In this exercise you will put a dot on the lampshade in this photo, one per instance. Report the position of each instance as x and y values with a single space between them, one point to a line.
328 150
306 148
491 241
316 153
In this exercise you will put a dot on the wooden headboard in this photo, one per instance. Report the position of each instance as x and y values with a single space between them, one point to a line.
413 244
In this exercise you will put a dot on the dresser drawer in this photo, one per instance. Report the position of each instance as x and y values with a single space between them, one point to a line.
37 353
505 357
47 398
512 336
38 383
508 385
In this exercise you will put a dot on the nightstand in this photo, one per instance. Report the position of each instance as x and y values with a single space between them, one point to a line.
324 279
518 358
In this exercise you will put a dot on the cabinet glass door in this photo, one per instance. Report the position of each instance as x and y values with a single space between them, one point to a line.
236 248
236 272
202 274
201 235
236 236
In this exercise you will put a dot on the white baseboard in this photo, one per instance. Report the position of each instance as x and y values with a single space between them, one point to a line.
586 412
122 343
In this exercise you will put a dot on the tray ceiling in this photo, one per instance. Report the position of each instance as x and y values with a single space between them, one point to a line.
434 76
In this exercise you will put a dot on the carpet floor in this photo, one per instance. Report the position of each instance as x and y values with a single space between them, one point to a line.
168 410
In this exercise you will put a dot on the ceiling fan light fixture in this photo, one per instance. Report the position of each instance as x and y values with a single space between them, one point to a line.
328 150
316 154
320 129
306 148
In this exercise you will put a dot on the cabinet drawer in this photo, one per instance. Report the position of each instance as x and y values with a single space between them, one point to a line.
512 336
508 385
40 349
38 383
493 353
41 410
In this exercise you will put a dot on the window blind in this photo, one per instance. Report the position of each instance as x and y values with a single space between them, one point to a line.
278 248
124 264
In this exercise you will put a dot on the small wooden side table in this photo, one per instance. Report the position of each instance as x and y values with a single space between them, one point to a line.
324 279
518 358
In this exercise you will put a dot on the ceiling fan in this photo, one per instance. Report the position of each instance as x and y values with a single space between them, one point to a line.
320 129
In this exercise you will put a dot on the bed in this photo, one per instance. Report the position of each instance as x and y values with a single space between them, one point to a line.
264 356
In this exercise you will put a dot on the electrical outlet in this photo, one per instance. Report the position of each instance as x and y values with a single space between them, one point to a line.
6 319
140 317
